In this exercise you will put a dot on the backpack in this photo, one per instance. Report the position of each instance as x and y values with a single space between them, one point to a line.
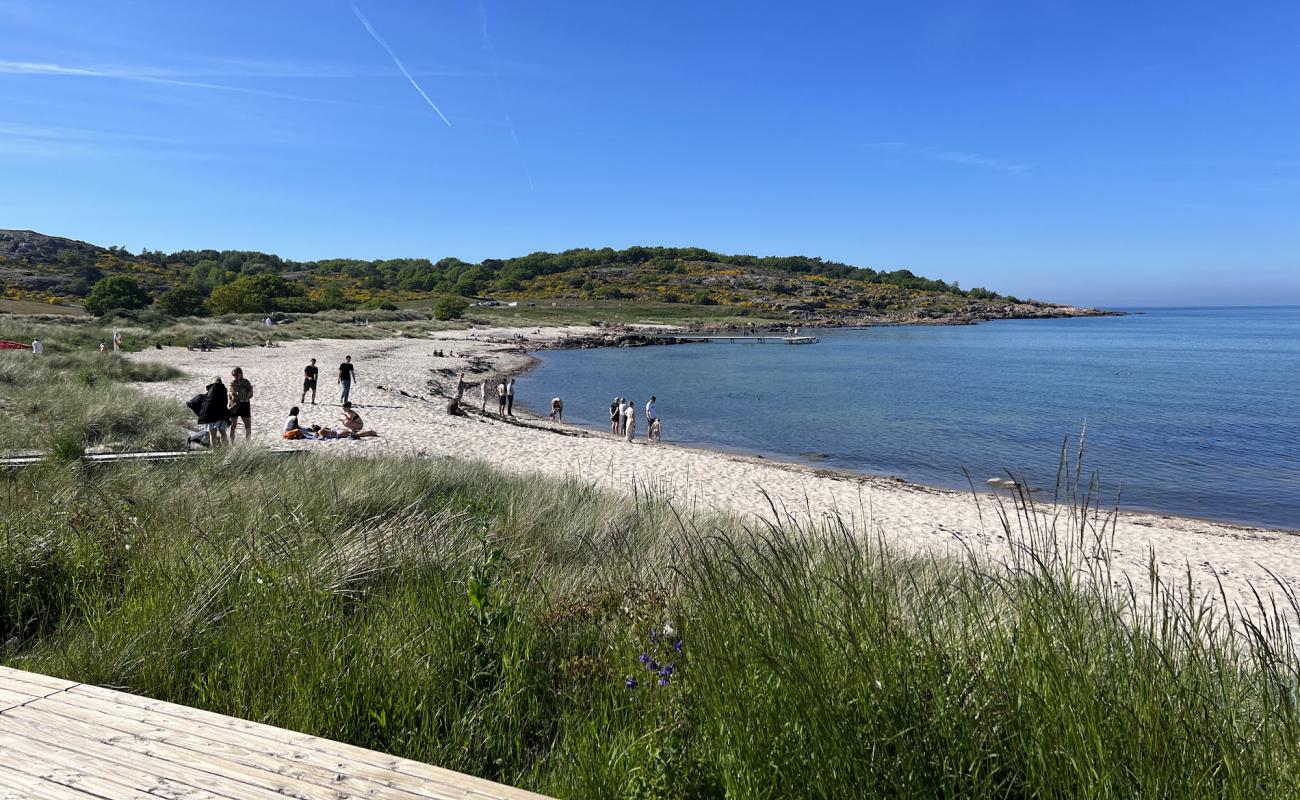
195 403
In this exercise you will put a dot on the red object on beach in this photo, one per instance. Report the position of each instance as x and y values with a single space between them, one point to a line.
8 345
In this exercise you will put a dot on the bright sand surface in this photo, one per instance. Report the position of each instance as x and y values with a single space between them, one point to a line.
412 419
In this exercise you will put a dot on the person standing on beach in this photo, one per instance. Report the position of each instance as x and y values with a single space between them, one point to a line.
37 348
510 397
309 374
501 398
214 413
557 410
629 421
651 418
346 373
482 393
241 403
615 414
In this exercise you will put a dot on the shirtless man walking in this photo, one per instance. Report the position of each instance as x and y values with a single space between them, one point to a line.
309 374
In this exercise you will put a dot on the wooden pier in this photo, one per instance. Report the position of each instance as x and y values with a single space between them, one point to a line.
61 740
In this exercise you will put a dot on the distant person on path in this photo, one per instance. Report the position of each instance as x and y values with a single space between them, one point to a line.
557 410
214 413
103 346
501 398
241 403
510 397
615 415
482 394
629 421
292 430
346 373
37 347
309 374
117 341
461 386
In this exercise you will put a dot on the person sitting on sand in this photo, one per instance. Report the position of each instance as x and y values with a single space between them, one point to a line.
352 421
292 430
557 410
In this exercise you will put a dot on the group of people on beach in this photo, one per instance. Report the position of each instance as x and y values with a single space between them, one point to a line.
622 419
311 374
352 427
221 408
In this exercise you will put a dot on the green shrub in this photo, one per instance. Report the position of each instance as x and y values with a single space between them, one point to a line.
449 308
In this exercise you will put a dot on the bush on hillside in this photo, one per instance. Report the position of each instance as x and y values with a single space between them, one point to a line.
449 308
116 293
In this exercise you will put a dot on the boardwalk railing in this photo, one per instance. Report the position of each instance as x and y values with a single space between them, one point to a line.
70 741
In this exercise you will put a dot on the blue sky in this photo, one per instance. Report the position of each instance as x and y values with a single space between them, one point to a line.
1092 152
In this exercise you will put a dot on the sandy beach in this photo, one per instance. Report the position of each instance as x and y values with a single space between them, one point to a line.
394 394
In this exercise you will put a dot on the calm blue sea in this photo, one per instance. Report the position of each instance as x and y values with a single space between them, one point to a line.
1192 411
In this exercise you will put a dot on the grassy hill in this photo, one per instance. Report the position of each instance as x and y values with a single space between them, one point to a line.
35 267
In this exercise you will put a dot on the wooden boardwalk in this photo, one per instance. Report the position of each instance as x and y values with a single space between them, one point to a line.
71 741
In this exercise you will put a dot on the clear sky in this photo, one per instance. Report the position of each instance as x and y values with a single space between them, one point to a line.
1115 153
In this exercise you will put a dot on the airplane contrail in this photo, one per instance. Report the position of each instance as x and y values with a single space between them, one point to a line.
398 62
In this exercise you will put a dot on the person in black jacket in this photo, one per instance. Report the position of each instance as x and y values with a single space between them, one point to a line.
213 413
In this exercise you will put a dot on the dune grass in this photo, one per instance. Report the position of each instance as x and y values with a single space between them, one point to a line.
590 645
64 402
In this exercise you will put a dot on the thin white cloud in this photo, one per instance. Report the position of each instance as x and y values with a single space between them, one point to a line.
53 133
375 35
947 156
145 76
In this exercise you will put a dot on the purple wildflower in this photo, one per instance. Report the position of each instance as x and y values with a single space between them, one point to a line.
654 635
653 666
677 645
668 670
663 681
630 682
643 658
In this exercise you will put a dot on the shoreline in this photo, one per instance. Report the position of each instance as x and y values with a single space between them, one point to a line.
409 411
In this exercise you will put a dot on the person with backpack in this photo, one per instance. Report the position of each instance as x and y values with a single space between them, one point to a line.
241 406
214 412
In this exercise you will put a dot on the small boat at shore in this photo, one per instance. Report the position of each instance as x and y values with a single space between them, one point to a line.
5 344
801 340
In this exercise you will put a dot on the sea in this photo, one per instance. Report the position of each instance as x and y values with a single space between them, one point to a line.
1187 411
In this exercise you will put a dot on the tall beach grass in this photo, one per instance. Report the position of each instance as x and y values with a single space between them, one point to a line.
592 645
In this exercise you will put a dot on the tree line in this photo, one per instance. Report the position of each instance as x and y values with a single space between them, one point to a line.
201 282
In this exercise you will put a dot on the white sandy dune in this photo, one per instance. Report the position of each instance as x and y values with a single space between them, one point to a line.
907 516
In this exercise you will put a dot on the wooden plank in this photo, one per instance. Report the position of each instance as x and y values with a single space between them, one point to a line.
73 776
38 788
57 755
90 744
251 752
11 675
497 791
10 699
177 758
315 765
